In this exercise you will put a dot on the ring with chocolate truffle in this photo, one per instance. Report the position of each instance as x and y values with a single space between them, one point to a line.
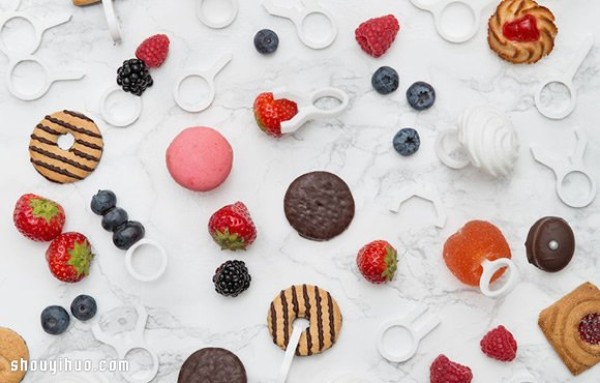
215 365
550 244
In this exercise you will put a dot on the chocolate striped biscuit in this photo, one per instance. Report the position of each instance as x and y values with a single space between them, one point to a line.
65 166
307 302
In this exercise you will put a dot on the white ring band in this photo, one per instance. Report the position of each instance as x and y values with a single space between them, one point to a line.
218 24
145 277
111 20
111 118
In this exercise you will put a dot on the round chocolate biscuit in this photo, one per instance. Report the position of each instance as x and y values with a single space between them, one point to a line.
212 365
550 244
319 205
13 349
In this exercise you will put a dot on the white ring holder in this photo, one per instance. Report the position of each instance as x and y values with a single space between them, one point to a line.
445 150
298 16
565 78
424 193
298 327
489 269
439 7
216 23
114 120
417 325
562 169
307 108
207 75
111 19
146 277
15 59
125 342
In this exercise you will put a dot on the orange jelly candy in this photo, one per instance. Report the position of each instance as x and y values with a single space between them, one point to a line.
465 251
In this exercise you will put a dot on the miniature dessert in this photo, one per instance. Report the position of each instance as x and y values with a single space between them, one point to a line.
550 244
69 257
200 159
467 249
572 326
319 205
377 261
65 166
231 227
269 113
521 31
311 303
13 349
499 344
38 218
215 365
375 36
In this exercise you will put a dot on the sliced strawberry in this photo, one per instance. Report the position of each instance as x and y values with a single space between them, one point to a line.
38 218
270 113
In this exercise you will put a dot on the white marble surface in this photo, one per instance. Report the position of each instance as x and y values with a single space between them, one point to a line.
185 313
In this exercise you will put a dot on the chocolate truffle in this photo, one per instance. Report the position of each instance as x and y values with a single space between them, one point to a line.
550 244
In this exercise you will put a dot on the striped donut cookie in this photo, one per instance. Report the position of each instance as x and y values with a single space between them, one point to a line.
521 31
307 302
13 350
65 166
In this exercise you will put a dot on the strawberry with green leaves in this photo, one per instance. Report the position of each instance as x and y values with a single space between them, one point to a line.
38 218
232 227
377 261
69 257
270 113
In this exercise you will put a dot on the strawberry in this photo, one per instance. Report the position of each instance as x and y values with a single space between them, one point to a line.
153 51
377 261
69 257
375 36
270 113
499 344
232 228
38 218
443 370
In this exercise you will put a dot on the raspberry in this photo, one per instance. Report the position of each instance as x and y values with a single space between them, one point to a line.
443 370
375 36
499 344
153 51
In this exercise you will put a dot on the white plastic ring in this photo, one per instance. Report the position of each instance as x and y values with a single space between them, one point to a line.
445 155
112 21
121 122
145 277
218 23
489 269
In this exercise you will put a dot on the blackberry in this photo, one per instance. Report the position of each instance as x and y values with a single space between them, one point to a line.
133 76
232 278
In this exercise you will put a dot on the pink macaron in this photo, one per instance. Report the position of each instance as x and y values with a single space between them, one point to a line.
200 158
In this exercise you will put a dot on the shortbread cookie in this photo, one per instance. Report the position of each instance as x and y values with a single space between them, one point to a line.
521 31
13 349
572 326
215 365
311 303
66 166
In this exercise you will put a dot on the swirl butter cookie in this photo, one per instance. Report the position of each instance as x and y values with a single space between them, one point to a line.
522 31
12 349
66 166
307 302
572 326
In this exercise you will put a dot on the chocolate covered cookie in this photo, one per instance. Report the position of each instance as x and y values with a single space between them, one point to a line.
550 244
13 349
71 165
214 365
319 205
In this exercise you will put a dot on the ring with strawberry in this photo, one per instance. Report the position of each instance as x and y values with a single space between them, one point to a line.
270 113
377 261
38 218
69 257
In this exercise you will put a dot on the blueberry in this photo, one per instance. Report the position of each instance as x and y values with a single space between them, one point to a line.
266 41
128 234
84 307
114 218
385 80
55 320
420 95
103 201
407 141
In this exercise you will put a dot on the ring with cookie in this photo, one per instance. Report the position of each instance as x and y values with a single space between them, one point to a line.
572 326
13 350
306 302
522 31
71 165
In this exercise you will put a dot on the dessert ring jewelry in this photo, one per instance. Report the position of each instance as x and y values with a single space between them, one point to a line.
213 22
142 276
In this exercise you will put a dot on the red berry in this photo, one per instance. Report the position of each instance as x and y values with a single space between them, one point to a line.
443 370
270 113
232 227
377 261
69 257
154 50
375 36
38 218
499 344
522 30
